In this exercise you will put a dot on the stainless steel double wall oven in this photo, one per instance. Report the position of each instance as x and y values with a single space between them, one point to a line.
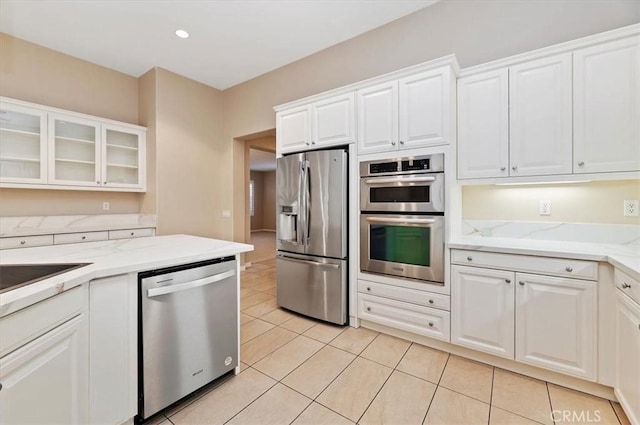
402 217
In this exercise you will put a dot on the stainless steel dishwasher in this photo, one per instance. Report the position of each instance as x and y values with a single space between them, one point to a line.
188 330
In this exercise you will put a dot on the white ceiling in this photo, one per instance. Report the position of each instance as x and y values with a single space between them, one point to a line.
261 160
231 40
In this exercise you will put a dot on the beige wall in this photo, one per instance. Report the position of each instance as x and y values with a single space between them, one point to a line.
594 202
269 200
476 31
148 115
36 74
193 172
258 201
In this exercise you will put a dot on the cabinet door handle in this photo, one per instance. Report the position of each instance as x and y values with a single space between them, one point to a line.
393 143
569 269
514 168
97 182
430 301
104 182
625 285
430 324
0 386
508 280
521 283
313 143
503 168
368 288
402 142
368 308
84 237
581 164
23 242
469 258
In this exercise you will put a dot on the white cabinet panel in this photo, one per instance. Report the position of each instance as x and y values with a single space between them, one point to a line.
123 157
65 238
627 387
23 144
541 117
414 296
294 129
607 107
556 324
483 125
131 233
26 241
113 349
424 105
74 151
333 120
482 310
378 118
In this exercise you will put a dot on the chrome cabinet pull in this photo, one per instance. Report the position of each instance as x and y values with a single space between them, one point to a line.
503 168
521 283
430 301
469 258
313 143
393 143
625 285
569 269
84 237
430 324
508 280
368 308
402 142
23 242
368 288
581 164
514 168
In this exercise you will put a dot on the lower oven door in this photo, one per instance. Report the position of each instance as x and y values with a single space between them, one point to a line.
408 246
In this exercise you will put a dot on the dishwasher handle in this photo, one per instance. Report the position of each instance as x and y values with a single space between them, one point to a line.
170 289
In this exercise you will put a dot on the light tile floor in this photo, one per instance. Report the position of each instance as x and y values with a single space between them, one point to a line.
299 371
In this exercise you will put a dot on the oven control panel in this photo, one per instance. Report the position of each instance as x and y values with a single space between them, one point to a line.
419 164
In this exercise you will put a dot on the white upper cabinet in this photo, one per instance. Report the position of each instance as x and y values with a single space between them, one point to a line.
327 122
408 113
424 109
74 151
48 148
23 153
540 117
333 120
483 130
293 129
607 107
378 118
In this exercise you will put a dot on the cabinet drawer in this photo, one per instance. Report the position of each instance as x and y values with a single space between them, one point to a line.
413 296
578 269
80 237
628 285
131 233
19 328
412 318
27 241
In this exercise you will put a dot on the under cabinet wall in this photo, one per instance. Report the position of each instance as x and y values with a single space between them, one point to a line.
593 202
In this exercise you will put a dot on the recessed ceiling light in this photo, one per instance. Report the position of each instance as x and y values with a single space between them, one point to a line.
182 34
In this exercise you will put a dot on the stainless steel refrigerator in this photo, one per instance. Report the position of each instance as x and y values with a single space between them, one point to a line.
311 264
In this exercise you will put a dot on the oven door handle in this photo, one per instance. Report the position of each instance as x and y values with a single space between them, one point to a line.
401 220
309 262
400 180
170 289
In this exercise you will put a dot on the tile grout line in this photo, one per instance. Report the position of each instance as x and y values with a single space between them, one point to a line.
546 385
493 377
615 412
254 400
436 390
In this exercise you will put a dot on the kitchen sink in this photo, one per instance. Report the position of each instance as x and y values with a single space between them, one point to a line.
16 275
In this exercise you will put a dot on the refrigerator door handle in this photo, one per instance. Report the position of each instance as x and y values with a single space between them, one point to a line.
299 220
309 262
305 212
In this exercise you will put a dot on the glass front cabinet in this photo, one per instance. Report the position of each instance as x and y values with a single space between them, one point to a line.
55 150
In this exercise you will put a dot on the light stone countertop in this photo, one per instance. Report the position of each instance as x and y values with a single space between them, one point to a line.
107 258
623 257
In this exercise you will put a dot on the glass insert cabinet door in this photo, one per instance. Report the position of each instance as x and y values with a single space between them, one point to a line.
122 153
23 152
74 153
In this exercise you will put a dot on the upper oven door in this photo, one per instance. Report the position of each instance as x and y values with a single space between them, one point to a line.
403 193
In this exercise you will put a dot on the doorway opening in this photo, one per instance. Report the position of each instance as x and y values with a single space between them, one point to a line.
261 192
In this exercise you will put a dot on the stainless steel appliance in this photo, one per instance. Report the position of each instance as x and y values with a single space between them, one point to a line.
403 185
188 330
402 218
311 264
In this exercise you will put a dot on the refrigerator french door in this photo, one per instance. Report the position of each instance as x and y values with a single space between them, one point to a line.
311 264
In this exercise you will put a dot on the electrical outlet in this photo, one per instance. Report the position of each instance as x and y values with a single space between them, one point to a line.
545 208
105 206
631 208
226 213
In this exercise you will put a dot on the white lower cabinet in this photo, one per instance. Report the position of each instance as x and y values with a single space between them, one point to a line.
556 323
45 381
113 349
483 306
627 387
546 321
